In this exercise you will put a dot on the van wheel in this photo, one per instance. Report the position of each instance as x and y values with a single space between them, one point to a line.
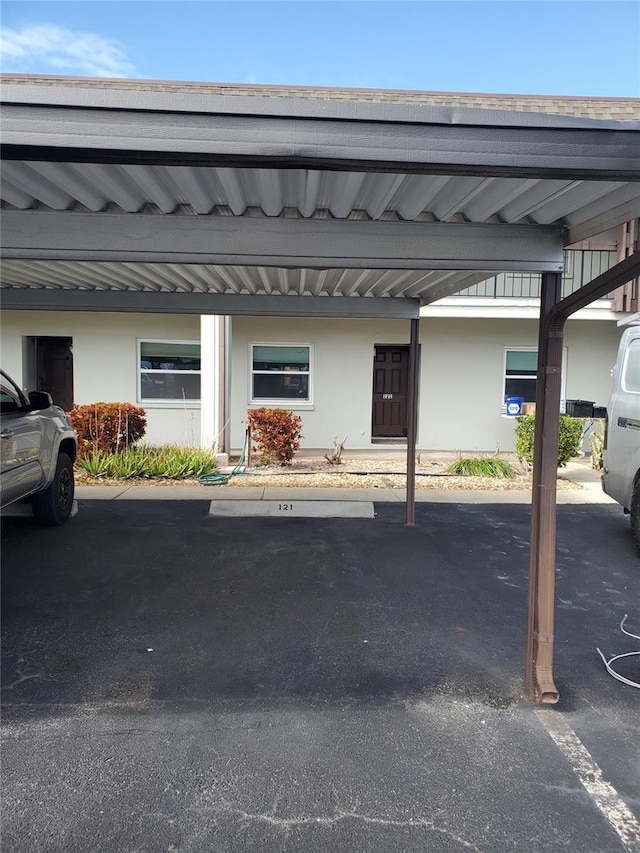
635 515
52 506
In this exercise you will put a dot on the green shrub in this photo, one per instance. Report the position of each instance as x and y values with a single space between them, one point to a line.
108 427
482 466
276 433
169 462
569 438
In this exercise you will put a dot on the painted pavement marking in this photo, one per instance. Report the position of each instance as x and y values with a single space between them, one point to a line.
603 794
292 508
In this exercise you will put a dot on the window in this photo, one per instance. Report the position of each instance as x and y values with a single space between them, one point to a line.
281 373
631 373
9 399
521 371
521 374
168 371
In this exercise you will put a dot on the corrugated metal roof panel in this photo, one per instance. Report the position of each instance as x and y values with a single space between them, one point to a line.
306 193
206 278
176 150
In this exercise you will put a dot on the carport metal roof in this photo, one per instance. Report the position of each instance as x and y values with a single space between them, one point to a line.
169 189
138 196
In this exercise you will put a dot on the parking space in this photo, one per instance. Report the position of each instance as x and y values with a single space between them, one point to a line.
180 682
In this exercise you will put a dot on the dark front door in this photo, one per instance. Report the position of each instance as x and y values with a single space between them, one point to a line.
390 374
54 366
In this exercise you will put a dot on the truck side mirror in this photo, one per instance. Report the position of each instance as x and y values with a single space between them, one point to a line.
39 400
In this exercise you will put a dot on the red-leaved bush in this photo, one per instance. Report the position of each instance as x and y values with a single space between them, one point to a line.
276 433
107 426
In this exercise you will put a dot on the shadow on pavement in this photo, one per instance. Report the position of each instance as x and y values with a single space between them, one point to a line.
139 602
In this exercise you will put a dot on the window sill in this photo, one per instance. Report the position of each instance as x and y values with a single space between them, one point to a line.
169 404
281 404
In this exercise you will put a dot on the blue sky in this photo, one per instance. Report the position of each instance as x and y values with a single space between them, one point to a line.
509 46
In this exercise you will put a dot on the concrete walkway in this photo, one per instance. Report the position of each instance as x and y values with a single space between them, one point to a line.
578 472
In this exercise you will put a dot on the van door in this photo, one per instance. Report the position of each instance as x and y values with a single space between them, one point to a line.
623 438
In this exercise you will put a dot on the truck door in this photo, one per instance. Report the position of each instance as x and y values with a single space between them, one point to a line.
20 440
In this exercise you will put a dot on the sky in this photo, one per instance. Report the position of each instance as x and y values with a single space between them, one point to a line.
547 47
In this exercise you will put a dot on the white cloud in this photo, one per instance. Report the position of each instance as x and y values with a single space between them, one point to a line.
48 49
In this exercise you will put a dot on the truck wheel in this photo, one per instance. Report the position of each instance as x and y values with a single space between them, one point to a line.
635 515
52 506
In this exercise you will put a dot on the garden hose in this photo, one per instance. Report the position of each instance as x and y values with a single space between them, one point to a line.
221 479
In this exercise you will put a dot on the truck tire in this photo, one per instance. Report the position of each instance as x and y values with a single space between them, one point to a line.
52 506
635 515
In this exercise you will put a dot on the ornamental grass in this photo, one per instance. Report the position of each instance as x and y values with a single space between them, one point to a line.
149 462
481 466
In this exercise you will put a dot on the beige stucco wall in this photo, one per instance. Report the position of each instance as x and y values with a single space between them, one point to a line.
104 360
342 376
461 370
461 375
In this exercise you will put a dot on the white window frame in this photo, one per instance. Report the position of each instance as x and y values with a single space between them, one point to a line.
288 402
503 407
164 401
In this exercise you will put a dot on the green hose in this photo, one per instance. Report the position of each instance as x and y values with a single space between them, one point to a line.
221 479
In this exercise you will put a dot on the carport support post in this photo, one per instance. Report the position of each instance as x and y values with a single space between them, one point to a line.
539 681
412 420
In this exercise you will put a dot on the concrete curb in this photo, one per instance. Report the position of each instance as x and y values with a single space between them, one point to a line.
587 495
590 492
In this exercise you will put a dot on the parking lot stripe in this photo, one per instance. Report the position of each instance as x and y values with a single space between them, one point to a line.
603 794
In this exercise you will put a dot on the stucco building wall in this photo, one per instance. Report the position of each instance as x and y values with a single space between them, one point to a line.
461 370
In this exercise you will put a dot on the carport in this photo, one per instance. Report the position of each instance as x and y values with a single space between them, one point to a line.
143 196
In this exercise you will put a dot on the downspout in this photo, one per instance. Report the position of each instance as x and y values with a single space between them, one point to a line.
554 313
539 667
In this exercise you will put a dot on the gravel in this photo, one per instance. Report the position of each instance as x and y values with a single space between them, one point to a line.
386 471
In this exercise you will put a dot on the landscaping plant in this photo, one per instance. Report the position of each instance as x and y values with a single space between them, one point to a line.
596 443
108 427
276 433
569 439
146 461
482 466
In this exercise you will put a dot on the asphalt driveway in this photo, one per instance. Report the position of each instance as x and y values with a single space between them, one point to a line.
174 682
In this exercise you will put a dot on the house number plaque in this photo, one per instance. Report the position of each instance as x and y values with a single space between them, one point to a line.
387 396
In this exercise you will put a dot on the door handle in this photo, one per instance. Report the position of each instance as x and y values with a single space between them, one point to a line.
7 433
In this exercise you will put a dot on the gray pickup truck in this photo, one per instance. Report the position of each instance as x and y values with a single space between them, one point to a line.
38 448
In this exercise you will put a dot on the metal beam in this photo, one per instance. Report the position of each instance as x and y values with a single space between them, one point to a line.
604 222
449 288
143 126
269 241
412 420
598 287
153 302
304 102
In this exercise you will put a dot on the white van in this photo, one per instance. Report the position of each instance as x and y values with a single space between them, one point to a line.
621 457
